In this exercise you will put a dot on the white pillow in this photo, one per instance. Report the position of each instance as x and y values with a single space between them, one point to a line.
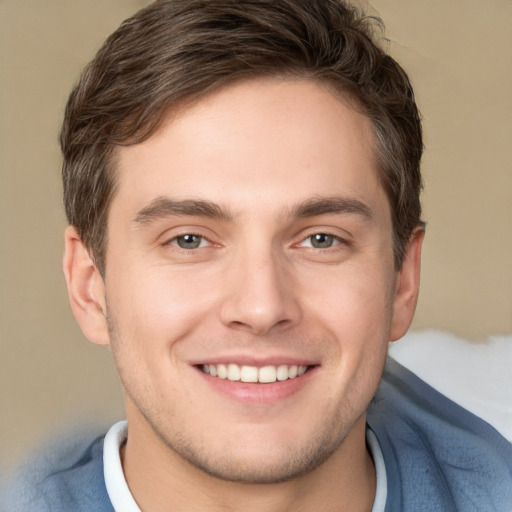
476 375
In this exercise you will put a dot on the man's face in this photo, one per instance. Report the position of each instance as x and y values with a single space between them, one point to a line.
251 237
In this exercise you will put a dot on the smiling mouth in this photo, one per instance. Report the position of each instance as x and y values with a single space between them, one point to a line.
263 375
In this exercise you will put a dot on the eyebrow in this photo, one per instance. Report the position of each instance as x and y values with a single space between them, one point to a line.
164 206
337 205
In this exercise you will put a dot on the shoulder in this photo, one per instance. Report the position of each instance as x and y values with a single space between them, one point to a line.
67 476
438 455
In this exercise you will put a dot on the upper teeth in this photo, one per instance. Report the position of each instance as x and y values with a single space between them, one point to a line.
265 374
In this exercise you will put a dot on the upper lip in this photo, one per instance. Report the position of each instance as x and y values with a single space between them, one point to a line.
257 361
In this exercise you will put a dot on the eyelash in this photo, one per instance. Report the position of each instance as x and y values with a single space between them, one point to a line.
336 240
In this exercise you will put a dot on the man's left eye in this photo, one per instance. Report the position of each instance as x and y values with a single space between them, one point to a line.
320 241
189 241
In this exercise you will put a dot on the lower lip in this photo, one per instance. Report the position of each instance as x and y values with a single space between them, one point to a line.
255 393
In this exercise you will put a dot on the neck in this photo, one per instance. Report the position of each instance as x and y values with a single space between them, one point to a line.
161 480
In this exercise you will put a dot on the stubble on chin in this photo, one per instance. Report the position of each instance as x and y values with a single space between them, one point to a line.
254 466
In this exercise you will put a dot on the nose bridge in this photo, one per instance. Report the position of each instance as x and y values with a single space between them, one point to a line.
260 292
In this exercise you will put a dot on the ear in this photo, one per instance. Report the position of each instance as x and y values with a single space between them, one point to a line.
407 286
86 289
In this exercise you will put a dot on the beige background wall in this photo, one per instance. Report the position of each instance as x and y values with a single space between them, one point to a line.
458 55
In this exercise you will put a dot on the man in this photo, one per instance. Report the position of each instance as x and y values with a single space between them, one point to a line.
242 185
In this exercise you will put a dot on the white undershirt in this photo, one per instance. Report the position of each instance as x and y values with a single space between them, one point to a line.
117 488
122 499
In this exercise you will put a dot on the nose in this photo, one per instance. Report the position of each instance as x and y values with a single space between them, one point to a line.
260 294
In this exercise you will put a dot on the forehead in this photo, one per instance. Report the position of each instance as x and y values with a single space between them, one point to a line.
281 140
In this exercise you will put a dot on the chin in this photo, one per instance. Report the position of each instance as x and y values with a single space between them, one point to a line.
260 469
256 458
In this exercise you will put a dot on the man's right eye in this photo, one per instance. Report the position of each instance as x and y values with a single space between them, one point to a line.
189 241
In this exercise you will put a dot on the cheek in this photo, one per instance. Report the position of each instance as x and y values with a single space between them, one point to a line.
151 314
354 308
350 299
154 308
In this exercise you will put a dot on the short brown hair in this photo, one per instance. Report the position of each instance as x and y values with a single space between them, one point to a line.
174 51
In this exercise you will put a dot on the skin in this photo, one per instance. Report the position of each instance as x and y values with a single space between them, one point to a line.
254 170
